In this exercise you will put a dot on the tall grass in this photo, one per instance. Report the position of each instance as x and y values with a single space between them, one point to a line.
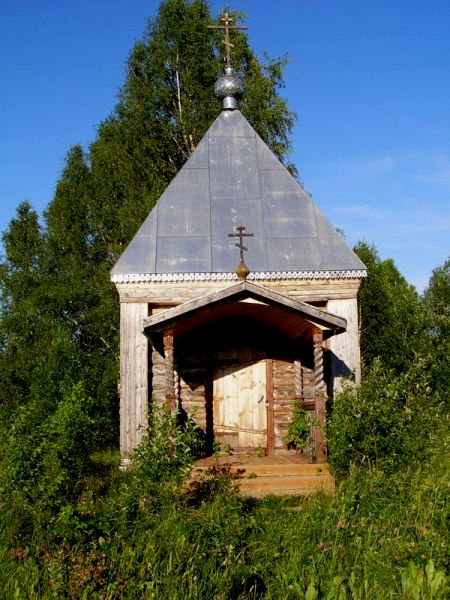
74 530
380 536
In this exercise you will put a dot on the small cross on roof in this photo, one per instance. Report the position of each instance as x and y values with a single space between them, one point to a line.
242 270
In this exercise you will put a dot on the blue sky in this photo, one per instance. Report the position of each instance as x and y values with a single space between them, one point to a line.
369 80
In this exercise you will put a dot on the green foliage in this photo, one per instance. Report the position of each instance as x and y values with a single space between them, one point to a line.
437 301
164 457
393 321
45 452
299 428
24 325
54 279
419 583
23 246
68 441
387 421
380 536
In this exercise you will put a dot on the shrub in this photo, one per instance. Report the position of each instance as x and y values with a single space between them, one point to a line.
164 457
388 421
44 456
68 441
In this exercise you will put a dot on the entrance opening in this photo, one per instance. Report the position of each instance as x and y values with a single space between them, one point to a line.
240 400
238 380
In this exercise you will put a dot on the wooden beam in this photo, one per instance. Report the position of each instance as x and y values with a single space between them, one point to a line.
298 378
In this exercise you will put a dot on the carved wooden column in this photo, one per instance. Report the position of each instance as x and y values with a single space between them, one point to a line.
298 376
320 410
170 395
269 404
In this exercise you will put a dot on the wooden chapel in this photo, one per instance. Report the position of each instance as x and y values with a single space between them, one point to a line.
235 350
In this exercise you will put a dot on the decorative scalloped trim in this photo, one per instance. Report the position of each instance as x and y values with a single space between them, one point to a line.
255 276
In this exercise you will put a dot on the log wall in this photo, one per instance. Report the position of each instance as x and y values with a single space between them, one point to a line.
193 377
292 382
284 397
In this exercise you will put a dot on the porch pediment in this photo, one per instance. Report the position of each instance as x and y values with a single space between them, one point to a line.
249 301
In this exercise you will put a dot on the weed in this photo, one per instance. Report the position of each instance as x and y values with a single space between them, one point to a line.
299 429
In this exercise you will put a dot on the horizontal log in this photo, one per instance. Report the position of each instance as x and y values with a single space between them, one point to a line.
284 397
309 404
285 367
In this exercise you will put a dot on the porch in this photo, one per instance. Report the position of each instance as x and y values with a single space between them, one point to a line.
277 474
238 361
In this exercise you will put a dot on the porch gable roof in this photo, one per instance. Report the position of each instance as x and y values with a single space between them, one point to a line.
242 291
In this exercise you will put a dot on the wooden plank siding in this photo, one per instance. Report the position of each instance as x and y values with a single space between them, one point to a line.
174 293
133 377
344 348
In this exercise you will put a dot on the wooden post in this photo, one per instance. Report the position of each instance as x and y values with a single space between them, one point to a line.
269 400
170 395
319 411
298 375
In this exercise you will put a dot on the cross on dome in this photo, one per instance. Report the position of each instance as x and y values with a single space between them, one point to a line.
227 20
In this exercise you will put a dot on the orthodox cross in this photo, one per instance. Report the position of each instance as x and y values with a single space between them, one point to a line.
227 20
241 270
240 234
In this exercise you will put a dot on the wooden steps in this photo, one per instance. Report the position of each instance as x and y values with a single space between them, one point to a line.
279 476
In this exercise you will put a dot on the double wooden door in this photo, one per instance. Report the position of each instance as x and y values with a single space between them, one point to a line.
240 399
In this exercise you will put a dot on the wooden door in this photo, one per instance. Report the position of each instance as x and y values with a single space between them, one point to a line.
239 400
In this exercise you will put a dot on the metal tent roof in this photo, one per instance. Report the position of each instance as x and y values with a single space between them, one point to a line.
232 179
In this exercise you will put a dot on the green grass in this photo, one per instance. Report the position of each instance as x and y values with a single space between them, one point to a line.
380 536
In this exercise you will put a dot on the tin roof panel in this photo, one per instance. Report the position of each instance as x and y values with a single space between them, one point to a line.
183 254
288 214
233 168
